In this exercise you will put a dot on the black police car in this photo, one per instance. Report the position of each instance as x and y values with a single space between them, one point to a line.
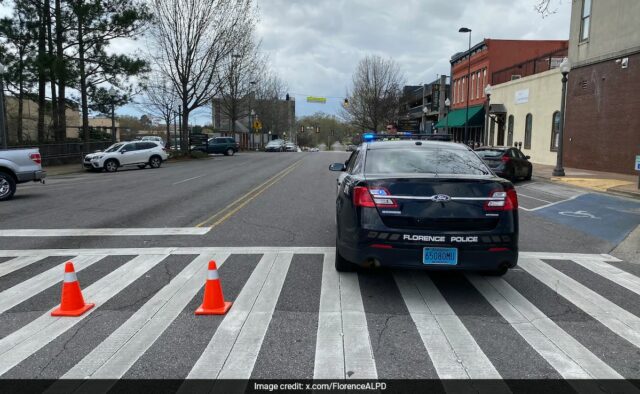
423 204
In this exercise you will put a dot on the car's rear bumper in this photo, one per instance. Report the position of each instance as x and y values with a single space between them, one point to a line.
411 257
35 176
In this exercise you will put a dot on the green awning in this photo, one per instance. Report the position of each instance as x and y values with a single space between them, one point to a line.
457 117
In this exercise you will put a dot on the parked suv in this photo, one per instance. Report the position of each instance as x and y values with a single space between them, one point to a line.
124 154
225 145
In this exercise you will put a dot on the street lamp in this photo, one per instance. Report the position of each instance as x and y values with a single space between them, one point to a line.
112 94
447 103
3 126
466 122
425 111
487 91
565 67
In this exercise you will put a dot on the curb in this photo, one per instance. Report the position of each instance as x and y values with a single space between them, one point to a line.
625 193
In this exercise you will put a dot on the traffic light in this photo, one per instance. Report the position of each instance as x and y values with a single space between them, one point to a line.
346 103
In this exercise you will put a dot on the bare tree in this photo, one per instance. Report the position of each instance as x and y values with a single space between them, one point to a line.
161 100
545 8
193 39
268 105
374 98
239 75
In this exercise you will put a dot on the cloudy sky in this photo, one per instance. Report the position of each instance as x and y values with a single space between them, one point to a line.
315 45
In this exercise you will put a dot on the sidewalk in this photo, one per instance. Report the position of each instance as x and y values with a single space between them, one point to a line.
607 182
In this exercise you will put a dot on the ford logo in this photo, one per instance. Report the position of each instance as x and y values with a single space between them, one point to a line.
440 198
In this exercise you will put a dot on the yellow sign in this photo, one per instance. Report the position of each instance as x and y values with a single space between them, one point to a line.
257 124
319 100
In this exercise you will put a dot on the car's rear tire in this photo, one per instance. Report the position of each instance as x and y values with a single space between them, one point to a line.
529 175
342 264
229 152
111 165
155 162
496 272
7 186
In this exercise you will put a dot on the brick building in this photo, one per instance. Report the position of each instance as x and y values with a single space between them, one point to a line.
602 121
490 59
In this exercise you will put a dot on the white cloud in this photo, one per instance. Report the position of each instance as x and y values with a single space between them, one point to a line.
315 46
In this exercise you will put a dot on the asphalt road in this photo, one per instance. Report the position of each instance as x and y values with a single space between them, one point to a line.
568 310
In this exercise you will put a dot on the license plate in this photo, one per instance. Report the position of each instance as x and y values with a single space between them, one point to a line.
440 256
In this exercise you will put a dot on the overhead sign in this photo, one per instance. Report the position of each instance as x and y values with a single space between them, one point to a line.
637 163
522 96
318 100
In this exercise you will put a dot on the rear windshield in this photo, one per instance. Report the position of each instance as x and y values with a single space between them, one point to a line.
486 153
424 161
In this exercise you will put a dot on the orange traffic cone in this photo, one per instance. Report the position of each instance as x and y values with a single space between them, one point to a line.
214 303
72 303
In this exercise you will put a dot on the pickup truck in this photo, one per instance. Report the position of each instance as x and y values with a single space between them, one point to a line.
19 166
226 145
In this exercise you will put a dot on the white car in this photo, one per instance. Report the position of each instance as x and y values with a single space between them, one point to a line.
124 154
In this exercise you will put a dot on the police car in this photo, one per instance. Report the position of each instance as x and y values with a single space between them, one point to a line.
403 201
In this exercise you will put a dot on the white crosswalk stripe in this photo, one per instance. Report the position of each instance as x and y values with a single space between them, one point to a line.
18 293
118 352
21 344
17 263
565 354
343 347
617 319
454 352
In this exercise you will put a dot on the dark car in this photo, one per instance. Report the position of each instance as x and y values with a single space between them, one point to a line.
224 145
507 162
274 146
426 205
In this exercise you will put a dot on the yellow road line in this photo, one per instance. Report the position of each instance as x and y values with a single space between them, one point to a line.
247 197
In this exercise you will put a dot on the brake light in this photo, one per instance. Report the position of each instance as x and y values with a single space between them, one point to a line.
372 197
505 201
378 194
505 158
36 158
362 197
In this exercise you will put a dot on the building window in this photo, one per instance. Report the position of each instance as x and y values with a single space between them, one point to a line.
555 130
484 77
455 91
585 22
479 89
473 86
492 131
510 131
528 123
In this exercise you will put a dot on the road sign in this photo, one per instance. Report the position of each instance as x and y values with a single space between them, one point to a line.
638 163
318 100
257 124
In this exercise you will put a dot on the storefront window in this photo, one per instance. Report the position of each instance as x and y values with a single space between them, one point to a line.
528 124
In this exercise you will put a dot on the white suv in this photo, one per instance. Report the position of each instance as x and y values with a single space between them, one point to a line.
138 153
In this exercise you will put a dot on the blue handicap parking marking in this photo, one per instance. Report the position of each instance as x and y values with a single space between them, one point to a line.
606 217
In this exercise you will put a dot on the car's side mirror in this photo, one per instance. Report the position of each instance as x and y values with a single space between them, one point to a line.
337 167
122 152
527 157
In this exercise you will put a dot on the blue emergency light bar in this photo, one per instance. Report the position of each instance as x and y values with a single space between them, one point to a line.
371 137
